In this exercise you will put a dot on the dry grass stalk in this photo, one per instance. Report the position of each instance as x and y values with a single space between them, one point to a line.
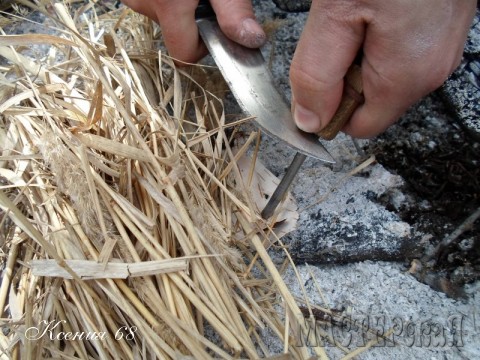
129 226
87 270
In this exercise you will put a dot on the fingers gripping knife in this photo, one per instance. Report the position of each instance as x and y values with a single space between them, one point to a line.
250 81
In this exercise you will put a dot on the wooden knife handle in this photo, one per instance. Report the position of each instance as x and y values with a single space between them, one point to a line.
351 99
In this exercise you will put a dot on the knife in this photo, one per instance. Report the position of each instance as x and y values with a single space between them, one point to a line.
250 81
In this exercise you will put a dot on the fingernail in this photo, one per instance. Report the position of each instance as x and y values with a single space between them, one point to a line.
305 119
252 34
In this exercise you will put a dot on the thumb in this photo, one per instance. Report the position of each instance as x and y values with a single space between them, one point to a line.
328 46
237 20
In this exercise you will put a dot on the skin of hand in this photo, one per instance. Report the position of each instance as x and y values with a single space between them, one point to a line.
180 33
409 48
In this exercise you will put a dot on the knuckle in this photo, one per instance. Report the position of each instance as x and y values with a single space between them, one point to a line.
304 76
231 9
343 11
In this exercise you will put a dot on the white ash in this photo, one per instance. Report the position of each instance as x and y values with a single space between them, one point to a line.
383 289
365 287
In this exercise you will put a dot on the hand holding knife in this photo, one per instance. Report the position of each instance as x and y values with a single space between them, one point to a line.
248 77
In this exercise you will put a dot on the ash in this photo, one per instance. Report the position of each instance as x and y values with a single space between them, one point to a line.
359 234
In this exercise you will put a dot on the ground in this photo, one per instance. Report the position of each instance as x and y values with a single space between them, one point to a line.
423 186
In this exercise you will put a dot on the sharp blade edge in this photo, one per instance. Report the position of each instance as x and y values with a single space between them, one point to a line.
253 87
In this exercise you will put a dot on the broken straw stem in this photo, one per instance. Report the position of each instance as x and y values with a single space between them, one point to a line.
284 185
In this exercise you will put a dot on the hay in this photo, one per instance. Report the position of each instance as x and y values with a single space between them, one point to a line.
130 230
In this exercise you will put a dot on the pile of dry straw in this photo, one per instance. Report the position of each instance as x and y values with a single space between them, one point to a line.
128 227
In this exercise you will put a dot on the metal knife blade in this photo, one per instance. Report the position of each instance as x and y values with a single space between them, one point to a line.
252 85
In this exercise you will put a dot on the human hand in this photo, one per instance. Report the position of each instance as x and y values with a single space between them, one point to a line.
180 33
409 48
